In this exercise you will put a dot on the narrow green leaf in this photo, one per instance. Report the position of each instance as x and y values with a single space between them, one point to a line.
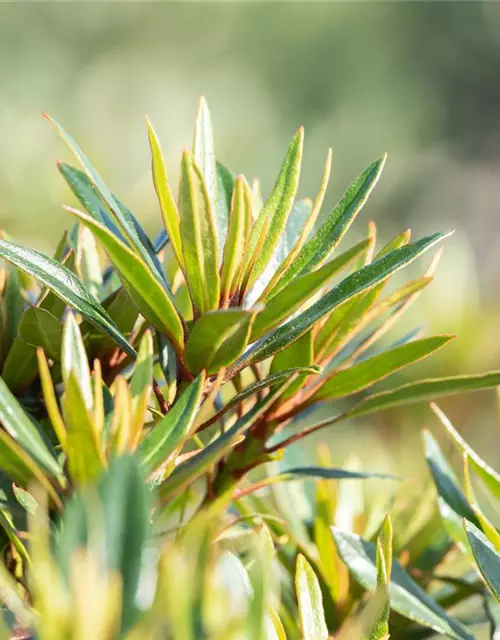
167 202
126 221
300 290
199 242
335 225
153 301
306 217
487 474
311 612
75 361
225 187
170 433
64 284
39 328
447 485
17 424
90 267
384 567
85 456
217 339
423 390
203 150
277 207
141 383
234 249
86 193
364 374
362 280
328 473
407 597
487 558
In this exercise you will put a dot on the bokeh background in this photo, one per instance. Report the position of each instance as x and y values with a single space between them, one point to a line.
418 80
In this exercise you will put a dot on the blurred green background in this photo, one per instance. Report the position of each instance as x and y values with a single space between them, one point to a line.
419 80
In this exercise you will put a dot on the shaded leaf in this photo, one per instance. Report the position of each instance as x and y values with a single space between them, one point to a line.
407 597
487 558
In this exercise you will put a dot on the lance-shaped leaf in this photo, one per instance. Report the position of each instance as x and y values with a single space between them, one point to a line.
488 475
39 328
424 390
170 433
127 223
237 236
362 280
334 227
199 242
295 244
368 372
66 286
310 600
217 339
453 505
300 290
167 202
255 387
225 187
75 361
487 558
153 301
204 152
85 456
277 207
384 567
299 353
141 385
407 597
17 424
50 398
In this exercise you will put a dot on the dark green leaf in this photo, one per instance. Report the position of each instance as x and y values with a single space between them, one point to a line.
487 557
424 390
64 284
362 280
407 597
39 328
335 225
171 431
362 375
277 207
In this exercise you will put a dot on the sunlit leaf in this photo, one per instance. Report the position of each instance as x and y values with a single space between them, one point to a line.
364 374
311 613
153 301
217 339
199 242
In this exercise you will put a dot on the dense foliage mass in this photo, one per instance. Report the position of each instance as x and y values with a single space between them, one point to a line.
142 403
